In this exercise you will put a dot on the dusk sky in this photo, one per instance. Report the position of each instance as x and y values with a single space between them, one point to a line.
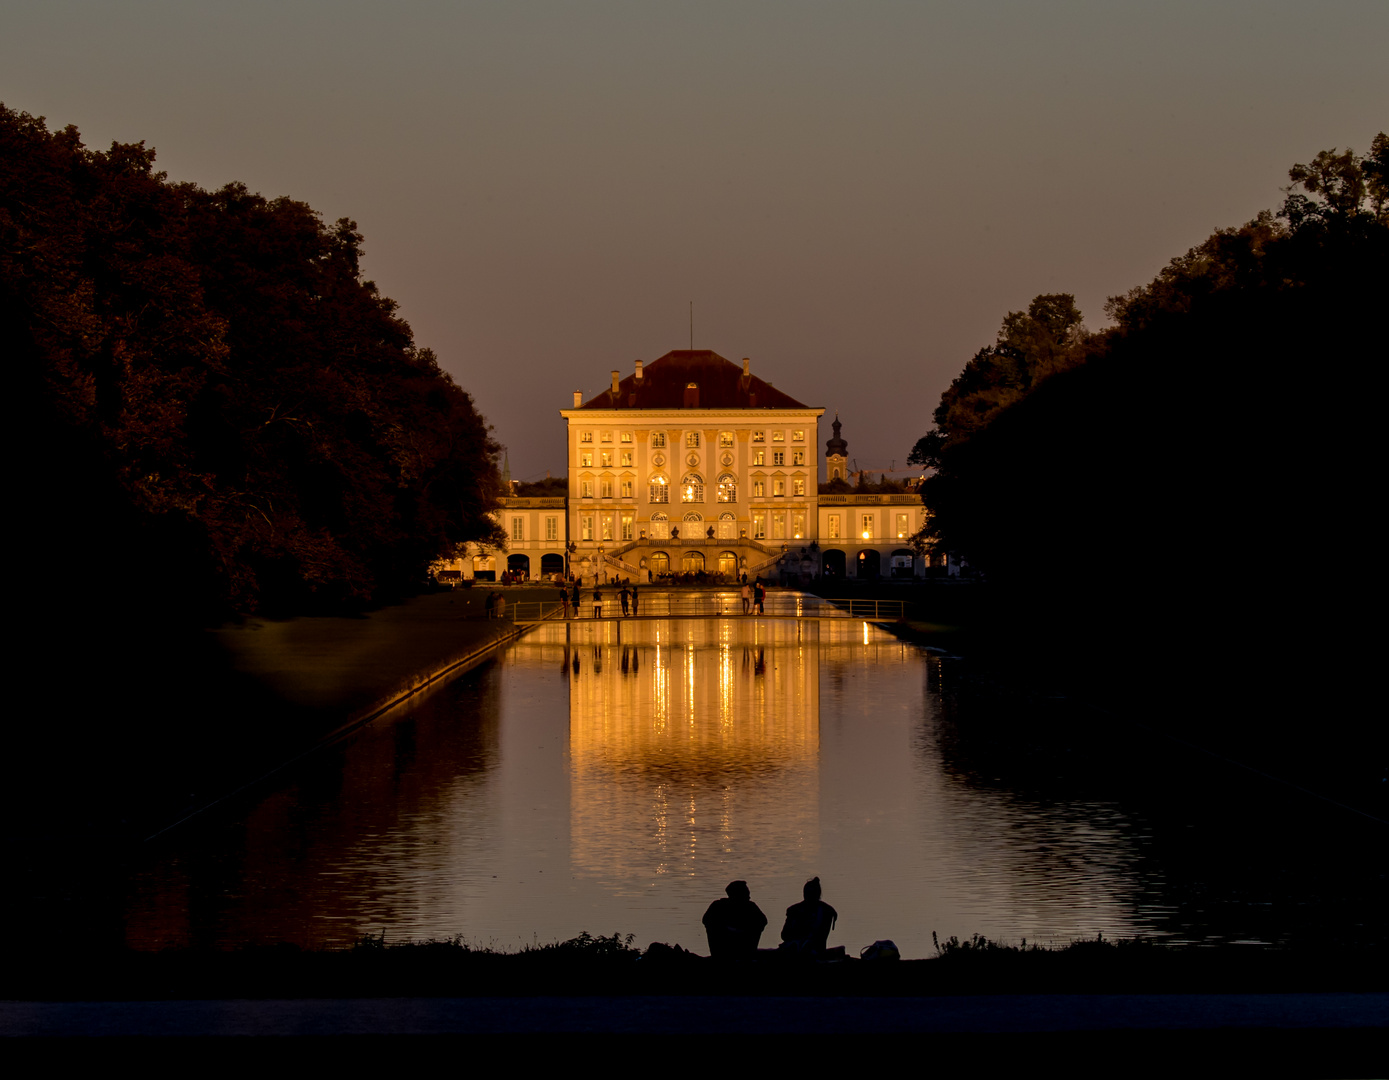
851 194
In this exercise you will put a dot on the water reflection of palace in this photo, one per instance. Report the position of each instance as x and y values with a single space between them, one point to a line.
703 734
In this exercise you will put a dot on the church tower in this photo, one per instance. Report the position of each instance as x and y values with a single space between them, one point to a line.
836 455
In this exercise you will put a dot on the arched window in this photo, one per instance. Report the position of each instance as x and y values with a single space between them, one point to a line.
728 488
728 527
692 488
693 517
660 489
660 527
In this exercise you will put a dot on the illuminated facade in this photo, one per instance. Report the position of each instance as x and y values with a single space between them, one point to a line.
535 540
690 464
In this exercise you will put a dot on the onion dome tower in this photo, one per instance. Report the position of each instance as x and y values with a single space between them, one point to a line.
836 455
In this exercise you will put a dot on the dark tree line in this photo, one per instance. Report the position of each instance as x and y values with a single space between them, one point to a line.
216 411
1182 506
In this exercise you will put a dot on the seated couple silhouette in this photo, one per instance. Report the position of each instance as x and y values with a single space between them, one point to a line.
734 925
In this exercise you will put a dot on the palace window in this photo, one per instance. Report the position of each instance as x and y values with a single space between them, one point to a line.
867 530
518 528
606 487
605 459
626 459
833 526
778 487
626 436
585 489
585 436
798 488
798 524
585 526
901 526
692 438
797 457
759 436
759 457
728 488
759 488
552 528
778 526
692 488
585 459
725 438
607 520
798 435
778 436
660 489
778 457
658 439
607 436
759 524
626 489
660 527
628 528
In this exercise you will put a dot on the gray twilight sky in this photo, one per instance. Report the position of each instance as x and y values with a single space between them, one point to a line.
852 194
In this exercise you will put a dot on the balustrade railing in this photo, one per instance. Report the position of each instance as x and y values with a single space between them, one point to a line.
707 605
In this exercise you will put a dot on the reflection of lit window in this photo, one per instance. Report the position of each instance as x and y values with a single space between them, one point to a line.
692 489
606 459
728 489
660 527
834 526
660 490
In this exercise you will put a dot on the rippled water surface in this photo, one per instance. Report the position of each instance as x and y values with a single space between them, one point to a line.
615 776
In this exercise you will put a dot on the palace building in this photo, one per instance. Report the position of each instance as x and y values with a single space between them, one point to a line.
691 463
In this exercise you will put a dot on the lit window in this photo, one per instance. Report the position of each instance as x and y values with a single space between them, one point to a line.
626 459
728 489
626 436
901 526
797 457
607 436
692 489
607 520
797 487
778 488
759 436
759 488
778 457
660 490
585 489
626 489
725 438
867 529
798 524
658 439
778 526
606 459
586 436
627 527
691 438
586 459
607 487
833 524
778 436
798 436
586 527
759 457
759 525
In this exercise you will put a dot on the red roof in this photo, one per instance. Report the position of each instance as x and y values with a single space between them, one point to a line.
722 385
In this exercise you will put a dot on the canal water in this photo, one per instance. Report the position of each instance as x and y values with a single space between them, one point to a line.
614 776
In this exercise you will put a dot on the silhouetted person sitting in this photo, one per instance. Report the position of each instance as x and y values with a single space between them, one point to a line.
808 924
734 924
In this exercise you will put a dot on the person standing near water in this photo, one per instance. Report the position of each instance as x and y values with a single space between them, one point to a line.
634 601
597 603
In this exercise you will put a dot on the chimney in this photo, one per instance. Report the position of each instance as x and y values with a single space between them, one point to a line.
692 395
638 371
578 398
615 378
746 362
